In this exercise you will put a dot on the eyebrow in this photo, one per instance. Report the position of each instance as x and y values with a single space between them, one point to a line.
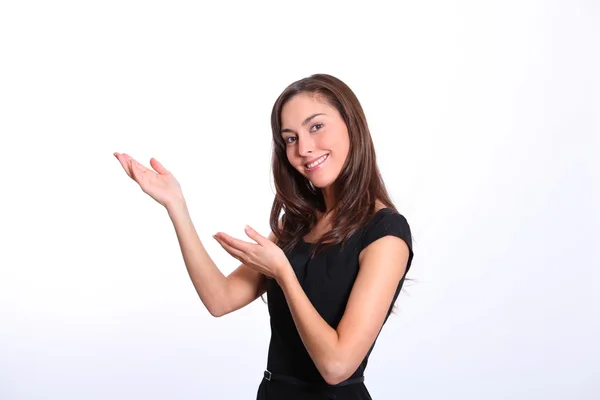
306 121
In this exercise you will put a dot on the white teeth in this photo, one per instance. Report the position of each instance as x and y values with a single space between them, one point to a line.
319 161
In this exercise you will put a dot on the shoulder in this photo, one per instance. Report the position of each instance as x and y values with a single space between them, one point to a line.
384 223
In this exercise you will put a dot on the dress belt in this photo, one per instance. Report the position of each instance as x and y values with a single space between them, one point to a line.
289 379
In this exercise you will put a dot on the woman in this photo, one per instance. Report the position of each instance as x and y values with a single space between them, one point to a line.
333 264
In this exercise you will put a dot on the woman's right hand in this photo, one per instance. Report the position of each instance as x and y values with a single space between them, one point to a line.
160 185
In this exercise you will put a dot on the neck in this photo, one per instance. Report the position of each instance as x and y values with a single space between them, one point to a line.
329 197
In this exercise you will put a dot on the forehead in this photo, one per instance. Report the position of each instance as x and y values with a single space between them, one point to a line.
303 105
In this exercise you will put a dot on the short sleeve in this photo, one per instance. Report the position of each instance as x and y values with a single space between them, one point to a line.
388 222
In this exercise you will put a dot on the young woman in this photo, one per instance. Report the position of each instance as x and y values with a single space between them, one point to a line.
334 262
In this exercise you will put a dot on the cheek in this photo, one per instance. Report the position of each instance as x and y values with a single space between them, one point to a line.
291 157
340 150
338 144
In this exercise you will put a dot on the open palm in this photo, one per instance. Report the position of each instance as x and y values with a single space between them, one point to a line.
159 184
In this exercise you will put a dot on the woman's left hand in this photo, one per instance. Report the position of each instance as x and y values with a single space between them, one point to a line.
263 256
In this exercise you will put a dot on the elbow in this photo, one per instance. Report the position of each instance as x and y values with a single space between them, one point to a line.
217 308
333 380
217 312
336 372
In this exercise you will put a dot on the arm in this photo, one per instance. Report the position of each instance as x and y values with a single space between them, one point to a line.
221 295
338 353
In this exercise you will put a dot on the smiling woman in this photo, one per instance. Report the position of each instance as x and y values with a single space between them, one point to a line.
320 140
336 258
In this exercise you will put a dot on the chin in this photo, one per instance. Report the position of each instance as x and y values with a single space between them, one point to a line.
322 183
320 180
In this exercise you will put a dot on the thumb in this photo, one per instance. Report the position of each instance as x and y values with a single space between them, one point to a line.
158 167
258 238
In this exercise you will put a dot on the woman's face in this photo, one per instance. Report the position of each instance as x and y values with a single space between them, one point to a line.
316 138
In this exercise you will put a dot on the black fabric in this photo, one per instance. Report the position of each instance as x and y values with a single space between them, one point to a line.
327 281
290 379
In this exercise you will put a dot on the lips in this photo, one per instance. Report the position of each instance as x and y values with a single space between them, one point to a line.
315 163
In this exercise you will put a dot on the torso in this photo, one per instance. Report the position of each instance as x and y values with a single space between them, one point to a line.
327 280
324 225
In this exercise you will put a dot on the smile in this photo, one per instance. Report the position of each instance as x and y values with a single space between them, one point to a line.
317 163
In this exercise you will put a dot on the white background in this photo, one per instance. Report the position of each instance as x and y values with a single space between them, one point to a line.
486 121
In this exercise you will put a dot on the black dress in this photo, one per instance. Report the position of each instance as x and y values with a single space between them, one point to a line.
327 281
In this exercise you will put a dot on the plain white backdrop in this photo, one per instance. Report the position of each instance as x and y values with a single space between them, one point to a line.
486 122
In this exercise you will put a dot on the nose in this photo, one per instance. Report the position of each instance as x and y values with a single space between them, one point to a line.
306 145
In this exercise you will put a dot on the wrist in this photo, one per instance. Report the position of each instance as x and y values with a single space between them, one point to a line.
286 275
175 207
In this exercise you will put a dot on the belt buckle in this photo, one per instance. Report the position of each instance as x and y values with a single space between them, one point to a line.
268 377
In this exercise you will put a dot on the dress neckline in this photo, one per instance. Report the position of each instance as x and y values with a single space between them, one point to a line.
376 212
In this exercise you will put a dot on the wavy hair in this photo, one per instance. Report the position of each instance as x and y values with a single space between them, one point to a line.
356 189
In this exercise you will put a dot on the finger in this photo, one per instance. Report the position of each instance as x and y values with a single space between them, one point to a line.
124 163
138 166
158 167
135 173
235 253
257 237
238 244
130 160
132 164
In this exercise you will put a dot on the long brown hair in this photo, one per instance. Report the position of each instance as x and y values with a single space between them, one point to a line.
356 189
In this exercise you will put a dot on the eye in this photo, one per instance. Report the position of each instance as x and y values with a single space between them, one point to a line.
319 127
288 139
